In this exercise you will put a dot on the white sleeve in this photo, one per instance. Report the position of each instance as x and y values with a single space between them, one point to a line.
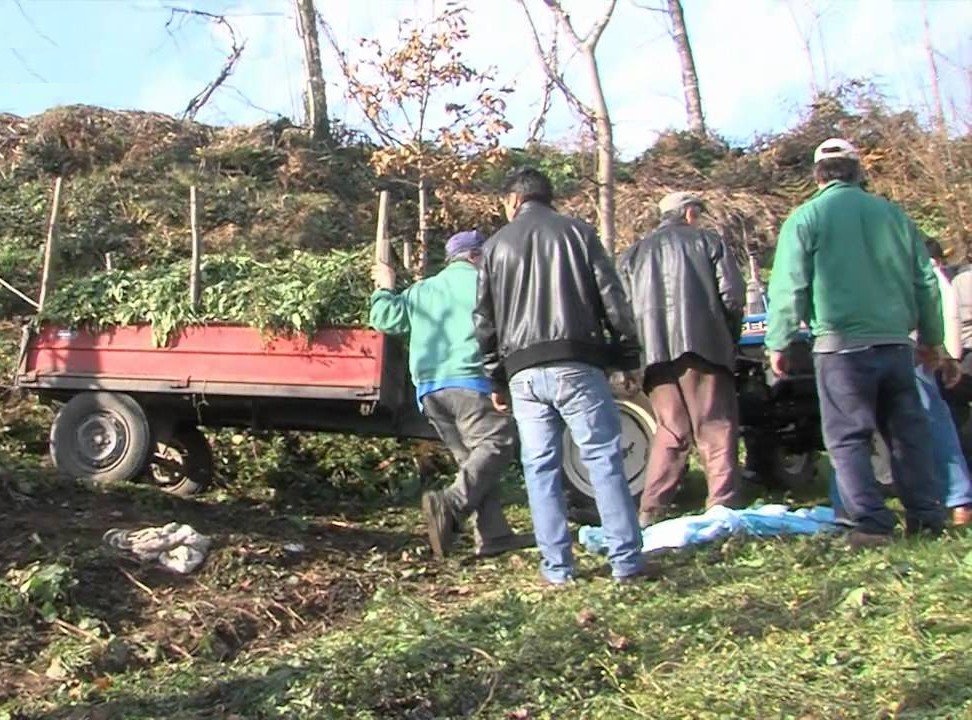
951 316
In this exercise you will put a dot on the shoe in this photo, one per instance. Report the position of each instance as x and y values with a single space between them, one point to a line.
922 529
962 516
652 516
514 541
547 584
859 540
440 522
649 572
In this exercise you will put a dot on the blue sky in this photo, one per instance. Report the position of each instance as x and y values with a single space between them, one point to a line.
752 65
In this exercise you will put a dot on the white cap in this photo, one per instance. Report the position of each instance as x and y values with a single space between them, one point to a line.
835 148
674 202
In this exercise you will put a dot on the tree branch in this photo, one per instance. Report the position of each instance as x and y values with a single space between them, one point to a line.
346 70
33 25
590 40
236 50
197 103
536 126
651 8
595 34
553 72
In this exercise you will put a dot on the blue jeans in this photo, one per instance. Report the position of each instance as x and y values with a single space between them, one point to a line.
950 469
545 400
872 391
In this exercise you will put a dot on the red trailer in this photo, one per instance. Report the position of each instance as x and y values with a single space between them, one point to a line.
127 407
121 396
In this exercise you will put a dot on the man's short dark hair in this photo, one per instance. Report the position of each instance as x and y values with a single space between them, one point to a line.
843 169
529 184
935 250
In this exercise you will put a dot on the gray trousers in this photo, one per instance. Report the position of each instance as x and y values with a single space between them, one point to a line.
483 444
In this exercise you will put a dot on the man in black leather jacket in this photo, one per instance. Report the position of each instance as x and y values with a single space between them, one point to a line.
688 298
551 317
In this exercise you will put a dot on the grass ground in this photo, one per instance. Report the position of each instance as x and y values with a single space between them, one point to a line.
339 612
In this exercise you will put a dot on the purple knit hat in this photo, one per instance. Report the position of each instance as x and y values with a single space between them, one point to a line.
464 242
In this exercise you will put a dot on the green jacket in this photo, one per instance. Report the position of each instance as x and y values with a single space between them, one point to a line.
436 314
854 267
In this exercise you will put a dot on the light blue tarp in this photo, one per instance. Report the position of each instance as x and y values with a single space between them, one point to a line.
719 521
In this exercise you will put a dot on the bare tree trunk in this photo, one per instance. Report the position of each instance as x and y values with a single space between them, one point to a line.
597 114
605 156
423 229
315 98
690 78
939 108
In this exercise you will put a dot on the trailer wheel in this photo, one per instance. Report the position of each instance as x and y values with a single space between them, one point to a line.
183 465
637 431
101 436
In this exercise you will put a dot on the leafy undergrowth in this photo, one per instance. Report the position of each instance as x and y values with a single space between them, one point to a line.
330 612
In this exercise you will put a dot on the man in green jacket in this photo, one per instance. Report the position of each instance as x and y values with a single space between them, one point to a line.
447 371
855 268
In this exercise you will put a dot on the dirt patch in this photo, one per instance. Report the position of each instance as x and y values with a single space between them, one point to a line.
270 576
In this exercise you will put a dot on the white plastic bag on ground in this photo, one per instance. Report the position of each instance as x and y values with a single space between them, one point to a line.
174 546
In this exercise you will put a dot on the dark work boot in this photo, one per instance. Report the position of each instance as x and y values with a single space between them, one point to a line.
510 543
859 540
441 522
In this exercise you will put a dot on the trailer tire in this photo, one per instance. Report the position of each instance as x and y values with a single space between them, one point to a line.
183 466
637 430
102 437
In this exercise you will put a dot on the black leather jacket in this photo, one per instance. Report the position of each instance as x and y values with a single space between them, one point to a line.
687 294
548 293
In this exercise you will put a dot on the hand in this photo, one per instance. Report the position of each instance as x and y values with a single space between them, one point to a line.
627 383
384 276
779 363
635 380
951 372
929 357
501 402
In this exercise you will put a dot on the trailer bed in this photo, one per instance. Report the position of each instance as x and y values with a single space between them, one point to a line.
227 360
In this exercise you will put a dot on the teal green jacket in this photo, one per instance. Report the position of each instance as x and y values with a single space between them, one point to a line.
436 314
854 268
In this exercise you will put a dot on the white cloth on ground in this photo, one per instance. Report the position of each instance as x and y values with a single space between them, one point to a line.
174 546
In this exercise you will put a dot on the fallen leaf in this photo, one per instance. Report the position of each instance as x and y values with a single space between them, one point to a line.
56 671
858 597
585 617
102 683
618 642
